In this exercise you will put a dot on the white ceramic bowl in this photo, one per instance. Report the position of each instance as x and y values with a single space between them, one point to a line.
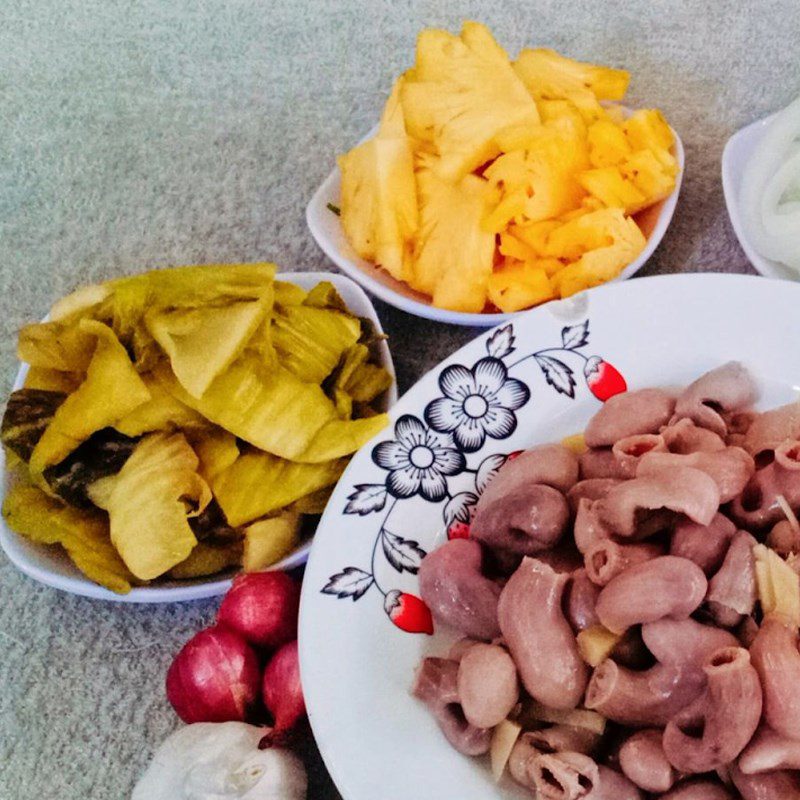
357 666
49 565
326 228
738 151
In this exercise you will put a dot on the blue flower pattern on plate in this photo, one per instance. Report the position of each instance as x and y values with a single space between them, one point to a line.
418 461
475 403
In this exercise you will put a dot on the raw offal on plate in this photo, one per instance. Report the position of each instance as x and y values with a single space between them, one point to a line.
630 604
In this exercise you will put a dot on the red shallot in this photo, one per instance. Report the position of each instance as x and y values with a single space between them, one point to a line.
214 678
283 694
262 607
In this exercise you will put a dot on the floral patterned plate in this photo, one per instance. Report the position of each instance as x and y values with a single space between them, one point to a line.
363 628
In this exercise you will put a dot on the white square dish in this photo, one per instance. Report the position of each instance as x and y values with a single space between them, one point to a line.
49 565
326 228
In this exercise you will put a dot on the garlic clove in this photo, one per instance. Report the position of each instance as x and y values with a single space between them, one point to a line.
221 761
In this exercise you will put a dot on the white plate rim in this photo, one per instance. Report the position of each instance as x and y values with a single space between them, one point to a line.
16 547
316 670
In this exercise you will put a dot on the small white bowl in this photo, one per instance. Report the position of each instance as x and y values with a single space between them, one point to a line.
738 151
326 228
51 566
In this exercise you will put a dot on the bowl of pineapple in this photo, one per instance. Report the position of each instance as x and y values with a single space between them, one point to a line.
491 185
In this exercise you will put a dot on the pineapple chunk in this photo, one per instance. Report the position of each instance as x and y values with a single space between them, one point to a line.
562 114
550 75
647 129
519 286
609 186
535 235
576 443
454 255
514 248
608 145
461 92
571 239
378 195
639 180
539 182
534 712
604 243
588 204
647 174
269 540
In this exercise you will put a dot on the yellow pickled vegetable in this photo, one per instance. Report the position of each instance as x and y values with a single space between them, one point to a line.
143 392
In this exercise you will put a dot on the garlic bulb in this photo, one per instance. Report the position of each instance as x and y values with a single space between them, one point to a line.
221 761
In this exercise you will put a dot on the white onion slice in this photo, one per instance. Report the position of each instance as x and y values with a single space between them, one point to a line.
770 192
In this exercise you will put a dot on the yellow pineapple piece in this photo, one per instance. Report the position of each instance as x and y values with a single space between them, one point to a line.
550 265
647 174
617 114
647 128
560 113
519 285
778 586
461 92
601 244
609 186
512 247
570 239
552 76
504 737
521 136
515 249
539 182
596 643
560 118
588 204
535 235
454 255
608 145
576 443
378 195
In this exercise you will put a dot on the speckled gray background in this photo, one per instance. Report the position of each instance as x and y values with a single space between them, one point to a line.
159 132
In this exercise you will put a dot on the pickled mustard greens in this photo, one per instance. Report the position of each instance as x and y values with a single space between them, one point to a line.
258 483
149 502
27 416
178 422
84 535
112 388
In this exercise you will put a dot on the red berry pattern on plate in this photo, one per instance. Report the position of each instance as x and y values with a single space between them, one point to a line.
408 612
603 379
458 530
